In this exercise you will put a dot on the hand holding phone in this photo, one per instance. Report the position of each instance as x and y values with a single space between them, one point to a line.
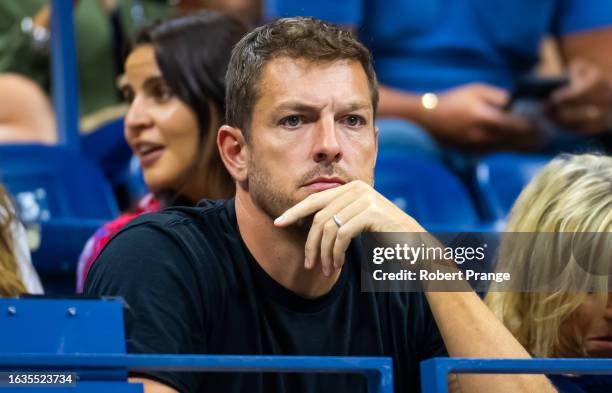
585 104
534 88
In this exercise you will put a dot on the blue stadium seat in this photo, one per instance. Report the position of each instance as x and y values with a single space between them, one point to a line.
426 190
71 326
106 145
61 195
54 182
86 337
134 183
501 177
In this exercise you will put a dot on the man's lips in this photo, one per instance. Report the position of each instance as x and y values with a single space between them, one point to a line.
324 183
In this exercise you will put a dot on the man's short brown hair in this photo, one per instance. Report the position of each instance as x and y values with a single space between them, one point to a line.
300 38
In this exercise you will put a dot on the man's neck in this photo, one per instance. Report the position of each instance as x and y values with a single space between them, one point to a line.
279 251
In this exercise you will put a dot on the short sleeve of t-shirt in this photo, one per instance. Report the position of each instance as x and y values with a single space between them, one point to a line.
151 270
341 12
573 16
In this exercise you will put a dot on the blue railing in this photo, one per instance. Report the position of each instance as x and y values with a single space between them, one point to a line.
64 74
377 370
434 372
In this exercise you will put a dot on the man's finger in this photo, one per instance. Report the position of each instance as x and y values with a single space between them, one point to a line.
330 231
309 205
322 217
346 233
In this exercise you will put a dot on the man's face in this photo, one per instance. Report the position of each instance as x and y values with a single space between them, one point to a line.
312 129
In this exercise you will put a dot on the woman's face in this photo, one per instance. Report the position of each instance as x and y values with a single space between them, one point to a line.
161 129
592 323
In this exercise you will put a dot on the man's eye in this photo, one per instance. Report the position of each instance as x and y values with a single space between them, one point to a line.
354 121
292 121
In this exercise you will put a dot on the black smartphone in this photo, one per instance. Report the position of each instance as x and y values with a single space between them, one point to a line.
535 88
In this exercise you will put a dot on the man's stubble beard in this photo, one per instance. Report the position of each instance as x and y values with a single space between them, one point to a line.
270 198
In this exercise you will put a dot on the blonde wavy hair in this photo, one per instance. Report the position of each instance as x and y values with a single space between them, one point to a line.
11 283
569 204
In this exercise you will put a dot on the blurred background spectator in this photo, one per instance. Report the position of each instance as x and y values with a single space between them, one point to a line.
175 85
571 195
103 28
26 113
17 275
446 69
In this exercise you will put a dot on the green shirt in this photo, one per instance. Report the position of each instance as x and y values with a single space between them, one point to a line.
96 60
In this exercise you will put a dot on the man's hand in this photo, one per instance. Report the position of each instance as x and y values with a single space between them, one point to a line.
585 105
472 117
358 208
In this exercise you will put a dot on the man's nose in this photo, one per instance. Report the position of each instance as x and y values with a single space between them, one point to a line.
327 145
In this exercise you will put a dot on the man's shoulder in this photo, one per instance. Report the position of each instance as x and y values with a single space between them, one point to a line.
178 239
199 233
208 215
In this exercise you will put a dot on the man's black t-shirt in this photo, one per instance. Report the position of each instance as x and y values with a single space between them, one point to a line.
194 288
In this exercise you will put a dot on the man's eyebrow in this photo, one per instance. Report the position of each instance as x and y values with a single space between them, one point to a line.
356 105
297 106
303 107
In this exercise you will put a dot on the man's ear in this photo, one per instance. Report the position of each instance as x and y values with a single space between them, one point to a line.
233 151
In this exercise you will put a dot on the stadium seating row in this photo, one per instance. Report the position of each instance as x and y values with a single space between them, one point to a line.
86 339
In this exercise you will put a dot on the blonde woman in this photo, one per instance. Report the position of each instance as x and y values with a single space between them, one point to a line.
17 275
564 305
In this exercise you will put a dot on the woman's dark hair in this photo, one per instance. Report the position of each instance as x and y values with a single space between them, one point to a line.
192 53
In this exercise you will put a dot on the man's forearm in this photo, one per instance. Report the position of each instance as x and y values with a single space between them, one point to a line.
151 386
470 330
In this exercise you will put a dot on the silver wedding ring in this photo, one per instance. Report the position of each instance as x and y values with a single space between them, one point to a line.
337 220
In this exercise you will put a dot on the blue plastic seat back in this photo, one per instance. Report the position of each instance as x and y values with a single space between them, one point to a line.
62 241
501 177
425 189
51 182
106 145
67 326
54 326
135 186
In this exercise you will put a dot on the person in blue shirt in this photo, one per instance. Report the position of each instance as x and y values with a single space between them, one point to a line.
447 66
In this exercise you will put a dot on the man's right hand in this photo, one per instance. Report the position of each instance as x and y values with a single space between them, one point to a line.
472 117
